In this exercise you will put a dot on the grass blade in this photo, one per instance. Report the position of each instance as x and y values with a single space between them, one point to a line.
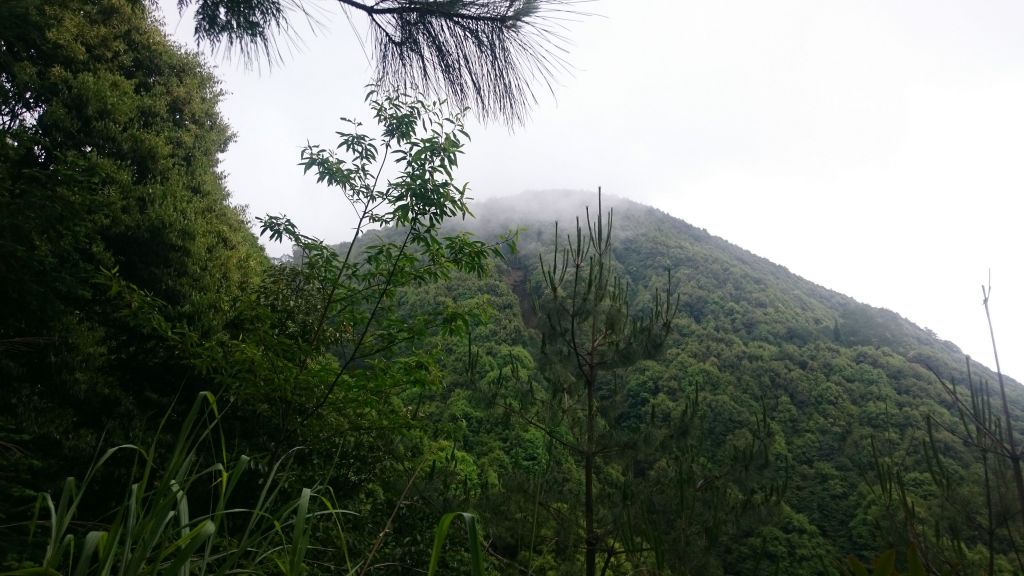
472 531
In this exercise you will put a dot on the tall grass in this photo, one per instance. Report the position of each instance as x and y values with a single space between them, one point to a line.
476 565
179 516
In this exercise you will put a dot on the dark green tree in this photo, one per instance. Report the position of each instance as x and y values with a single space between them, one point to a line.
588 325
109 145
130 280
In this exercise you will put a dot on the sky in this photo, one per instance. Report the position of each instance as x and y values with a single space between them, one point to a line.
875 147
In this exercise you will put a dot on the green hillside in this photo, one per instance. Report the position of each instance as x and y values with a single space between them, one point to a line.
833 377
628 396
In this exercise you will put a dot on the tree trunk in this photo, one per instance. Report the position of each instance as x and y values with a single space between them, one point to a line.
588 471
1018 475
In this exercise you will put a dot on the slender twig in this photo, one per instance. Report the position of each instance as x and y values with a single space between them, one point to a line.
547 432
391 520
348 253
1018 474
365 330
962 407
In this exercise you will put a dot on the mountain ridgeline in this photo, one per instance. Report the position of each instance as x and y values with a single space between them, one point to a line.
778 305
851 408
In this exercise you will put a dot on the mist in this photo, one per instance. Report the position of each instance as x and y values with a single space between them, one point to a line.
871 148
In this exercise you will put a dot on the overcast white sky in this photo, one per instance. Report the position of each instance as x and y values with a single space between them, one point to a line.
873 147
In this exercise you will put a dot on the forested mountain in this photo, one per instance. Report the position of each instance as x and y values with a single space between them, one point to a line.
779 427
620 394
846 387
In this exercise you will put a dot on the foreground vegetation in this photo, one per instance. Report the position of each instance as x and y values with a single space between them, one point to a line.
623 395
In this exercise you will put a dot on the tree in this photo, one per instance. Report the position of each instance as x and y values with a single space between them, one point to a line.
353 313
109 167
986 426
109 145
586 309
129 281
480 53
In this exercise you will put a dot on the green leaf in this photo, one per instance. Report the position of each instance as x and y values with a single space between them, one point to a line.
856 567
188 544
885 565
475 549
915 567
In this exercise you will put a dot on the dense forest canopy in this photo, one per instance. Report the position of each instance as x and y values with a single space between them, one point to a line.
590 387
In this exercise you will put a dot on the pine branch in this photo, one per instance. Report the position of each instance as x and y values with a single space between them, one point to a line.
482 54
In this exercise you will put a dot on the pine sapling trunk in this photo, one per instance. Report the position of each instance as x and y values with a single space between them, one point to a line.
588 472
587 310
1018 475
